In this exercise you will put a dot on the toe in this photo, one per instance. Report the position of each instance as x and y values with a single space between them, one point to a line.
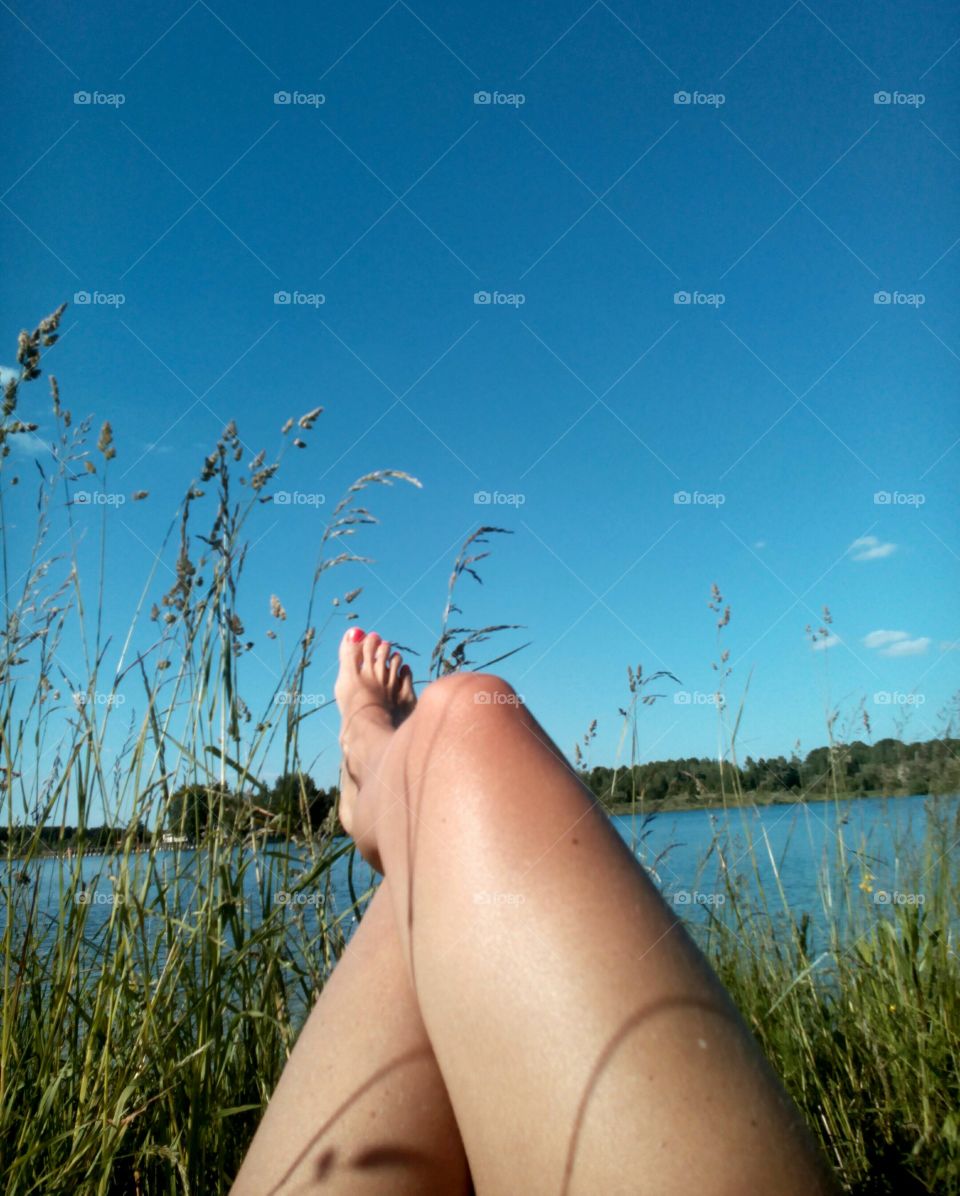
405 694
351 648
393 672
370 645
380 662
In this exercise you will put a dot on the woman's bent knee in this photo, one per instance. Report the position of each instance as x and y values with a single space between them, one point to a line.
470 695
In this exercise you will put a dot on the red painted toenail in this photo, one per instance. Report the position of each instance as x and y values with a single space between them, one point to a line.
355 635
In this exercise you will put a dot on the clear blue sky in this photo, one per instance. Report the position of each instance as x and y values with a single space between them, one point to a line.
782 187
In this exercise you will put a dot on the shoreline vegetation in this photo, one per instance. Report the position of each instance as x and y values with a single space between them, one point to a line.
295 809
138 1049
716 801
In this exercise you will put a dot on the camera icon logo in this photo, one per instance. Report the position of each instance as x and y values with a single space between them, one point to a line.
82 497
481 297
882 498
281 97
282 498
681 97
681 297
881 297
482 497
881 897
481 97
81 97
81 297
881 97
681 898
83 897
281 297
682 498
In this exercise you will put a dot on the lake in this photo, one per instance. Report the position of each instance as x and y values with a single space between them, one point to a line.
693 856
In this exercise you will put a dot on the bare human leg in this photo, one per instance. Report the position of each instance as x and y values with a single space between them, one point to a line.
585 1043
361 1107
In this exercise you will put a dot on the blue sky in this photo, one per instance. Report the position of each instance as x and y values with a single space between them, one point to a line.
790 170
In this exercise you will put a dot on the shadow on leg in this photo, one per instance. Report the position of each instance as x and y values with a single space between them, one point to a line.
585 1042
361 1107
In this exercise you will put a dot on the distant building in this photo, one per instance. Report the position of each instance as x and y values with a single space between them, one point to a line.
169 839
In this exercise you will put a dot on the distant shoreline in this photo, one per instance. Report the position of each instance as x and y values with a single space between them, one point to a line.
681 803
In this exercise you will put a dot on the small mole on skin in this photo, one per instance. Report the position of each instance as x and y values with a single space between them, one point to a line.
575 841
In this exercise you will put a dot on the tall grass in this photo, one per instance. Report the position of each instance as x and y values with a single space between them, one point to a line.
856 1003
150 997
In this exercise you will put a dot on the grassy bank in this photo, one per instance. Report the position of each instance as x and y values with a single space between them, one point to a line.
139 1044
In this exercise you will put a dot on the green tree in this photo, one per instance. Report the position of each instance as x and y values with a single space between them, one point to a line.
298 804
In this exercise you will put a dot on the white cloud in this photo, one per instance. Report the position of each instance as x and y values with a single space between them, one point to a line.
28 444
897 643
915 647
6 374
880 639
829 641
869 548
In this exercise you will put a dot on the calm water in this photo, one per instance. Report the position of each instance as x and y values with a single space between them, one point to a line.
686 853
882 837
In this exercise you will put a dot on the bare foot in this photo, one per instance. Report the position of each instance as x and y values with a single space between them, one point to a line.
374 690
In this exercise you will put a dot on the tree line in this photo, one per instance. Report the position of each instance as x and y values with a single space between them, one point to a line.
855 769
294 806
